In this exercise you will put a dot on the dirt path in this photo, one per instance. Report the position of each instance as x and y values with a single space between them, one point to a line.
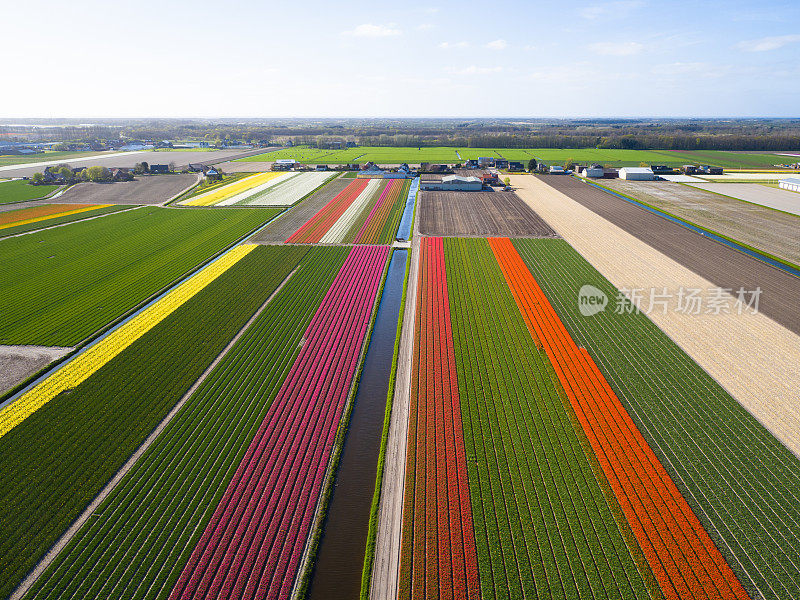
754 358
45 562
386 570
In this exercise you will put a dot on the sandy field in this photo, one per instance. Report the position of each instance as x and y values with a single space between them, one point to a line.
758 194
19 362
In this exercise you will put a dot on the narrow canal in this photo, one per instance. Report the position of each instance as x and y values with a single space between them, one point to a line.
340 558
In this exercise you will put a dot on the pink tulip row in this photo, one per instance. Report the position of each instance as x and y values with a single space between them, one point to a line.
253 544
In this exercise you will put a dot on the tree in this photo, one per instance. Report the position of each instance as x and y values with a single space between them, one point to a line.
37 179
98 173
532 164
507 180
66 173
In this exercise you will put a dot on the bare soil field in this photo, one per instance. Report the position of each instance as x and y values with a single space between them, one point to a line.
155 189
479 214
290 221
719 264
756 193
762 228
19 362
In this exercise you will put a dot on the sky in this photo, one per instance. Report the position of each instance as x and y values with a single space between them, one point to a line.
504 58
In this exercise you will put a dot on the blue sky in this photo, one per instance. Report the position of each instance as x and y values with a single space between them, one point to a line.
502 58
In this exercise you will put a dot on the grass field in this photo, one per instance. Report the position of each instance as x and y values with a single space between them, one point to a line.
20 190
8 160
616 158
60 457
63 284
738 479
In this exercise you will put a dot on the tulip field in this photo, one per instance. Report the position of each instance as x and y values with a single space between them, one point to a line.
204 421
196 457
253 544
63 284
47 215
58 458
225 192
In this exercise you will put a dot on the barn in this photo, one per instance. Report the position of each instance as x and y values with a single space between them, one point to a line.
636 174
452 183
790 183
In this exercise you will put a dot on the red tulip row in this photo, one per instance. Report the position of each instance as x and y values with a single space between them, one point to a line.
371 230
253 544
680 552
439 558
312 230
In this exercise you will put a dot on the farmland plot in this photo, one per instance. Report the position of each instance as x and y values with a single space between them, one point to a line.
543 525
61 456
381 224
348 224
738 479
61 285
679 551
144 532
293 219
290 191
217 195
757 194
759 227
48 215
479 214
257 191
253 544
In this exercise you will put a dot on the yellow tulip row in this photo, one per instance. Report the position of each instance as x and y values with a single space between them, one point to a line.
226 191
80 368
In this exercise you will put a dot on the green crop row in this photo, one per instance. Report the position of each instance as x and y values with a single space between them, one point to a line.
9 231
146 529
20 190
389 230
739 480
543 525
61 285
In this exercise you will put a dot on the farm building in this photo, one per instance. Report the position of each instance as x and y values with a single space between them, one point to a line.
287 162
594 172
159 168
790 183
501 163
485 161
557 170
515 166
709 170
662 170
452 183
636 174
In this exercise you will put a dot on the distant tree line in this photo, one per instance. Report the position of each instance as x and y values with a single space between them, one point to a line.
634 134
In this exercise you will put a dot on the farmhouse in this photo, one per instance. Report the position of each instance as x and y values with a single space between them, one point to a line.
515 166
159 168
452 183
501 163
485 161
662 170
557 170
790 183
636 174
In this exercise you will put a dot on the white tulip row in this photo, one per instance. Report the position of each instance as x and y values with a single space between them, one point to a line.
343 224
242 196
289 192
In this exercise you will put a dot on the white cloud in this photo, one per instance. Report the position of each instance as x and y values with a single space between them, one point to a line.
616 48
373 31
476 70
768 43
425 26
608 9
449 45
497 45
